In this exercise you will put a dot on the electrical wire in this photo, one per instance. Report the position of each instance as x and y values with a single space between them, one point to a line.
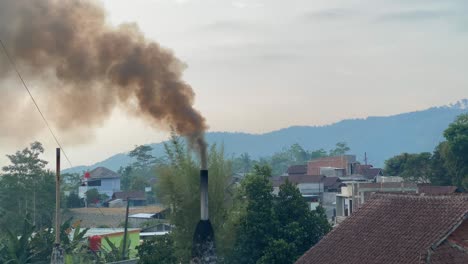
34 101
42 115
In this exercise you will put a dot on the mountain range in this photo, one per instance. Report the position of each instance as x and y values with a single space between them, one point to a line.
380 137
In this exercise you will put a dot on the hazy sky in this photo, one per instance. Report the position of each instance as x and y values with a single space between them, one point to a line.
258 66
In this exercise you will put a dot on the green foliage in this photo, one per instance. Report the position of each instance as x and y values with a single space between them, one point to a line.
341 149
73 201
31 246
457 151
139 183
262 170
257 225
26 187
411 167
92 196
159 249
178 188
243 163
457 136
125 177
70 181
447 165
280 161
298 225
137 176
278 252
115 252
142 154
18 250
274 229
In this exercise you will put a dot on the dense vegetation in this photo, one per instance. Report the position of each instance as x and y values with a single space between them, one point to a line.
446 165
246 216
26 188
252 225
280 161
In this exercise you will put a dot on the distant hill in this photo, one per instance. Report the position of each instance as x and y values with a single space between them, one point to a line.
380 137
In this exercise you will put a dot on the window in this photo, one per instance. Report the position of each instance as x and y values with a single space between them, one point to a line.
94 182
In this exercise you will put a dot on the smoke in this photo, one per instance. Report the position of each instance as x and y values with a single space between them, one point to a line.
86 67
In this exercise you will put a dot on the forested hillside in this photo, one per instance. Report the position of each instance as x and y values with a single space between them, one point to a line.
380 137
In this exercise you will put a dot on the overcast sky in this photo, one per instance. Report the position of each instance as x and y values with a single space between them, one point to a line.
262 65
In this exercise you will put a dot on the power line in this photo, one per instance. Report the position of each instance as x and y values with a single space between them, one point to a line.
34 101
40 112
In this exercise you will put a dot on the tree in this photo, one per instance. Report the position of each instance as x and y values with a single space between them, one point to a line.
280 162
457 141
29 187
178 189
125 177
299 227
159 249
298 154
440 161
319 153
447 165
412 167
74 201
262 170
340 149
246 162
278 252
257 224
143 156
396 165
92 196
138 183
70 181
273 229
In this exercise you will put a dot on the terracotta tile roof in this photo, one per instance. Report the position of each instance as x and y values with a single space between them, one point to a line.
427 189
388 185
391 228
297 169
103 173
368 171
332 183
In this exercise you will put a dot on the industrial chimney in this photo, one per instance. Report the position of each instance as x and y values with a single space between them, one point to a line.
203 248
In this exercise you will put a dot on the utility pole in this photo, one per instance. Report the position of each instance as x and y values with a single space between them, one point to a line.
57 252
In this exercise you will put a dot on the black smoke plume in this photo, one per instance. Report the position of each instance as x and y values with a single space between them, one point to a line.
87 67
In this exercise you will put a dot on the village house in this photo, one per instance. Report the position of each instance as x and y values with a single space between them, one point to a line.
345 167
103 180
398 228
321 180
